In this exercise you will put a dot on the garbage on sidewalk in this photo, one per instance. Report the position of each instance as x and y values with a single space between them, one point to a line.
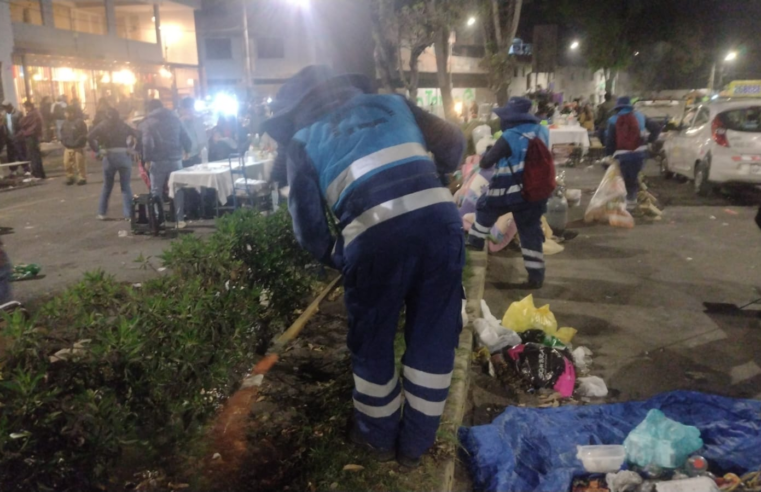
544 367
592 386
530 449
523 315
609 201
25 272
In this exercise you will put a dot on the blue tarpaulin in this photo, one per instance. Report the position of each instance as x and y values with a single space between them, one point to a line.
534 449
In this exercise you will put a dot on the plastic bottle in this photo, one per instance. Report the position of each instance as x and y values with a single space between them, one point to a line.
696 466
557 214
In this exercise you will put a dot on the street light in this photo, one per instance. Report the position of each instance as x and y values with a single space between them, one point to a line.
575 45
471 21
731 56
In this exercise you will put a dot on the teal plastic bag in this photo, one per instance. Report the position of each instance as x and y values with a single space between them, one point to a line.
660 441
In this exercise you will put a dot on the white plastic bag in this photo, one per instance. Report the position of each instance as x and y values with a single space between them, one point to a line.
480 132
491 333
592 386
609 201
582 358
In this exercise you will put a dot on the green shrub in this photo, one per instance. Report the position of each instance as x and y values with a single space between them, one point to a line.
146 366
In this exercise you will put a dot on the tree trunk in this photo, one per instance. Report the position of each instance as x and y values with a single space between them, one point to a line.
501 94
610 80
385 51
441 48
414 78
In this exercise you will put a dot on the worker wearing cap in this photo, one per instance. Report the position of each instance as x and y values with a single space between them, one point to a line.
365 157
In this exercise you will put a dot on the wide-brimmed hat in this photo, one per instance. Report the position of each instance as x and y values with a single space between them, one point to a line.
297 89
517 110
623 102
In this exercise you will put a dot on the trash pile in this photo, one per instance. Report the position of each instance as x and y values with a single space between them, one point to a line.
682 441
529 344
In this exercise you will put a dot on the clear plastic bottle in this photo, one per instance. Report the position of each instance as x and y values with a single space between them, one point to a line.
557 213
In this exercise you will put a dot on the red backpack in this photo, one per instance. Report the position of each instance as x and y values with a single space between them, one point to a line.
538 171
628 136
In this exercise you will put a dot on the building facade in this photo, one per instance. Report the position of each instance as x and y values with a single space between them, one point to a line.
283 37
125 50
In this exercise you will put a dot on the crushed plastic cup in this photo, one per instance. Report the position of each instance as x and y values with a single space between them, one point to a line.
607 458
660 441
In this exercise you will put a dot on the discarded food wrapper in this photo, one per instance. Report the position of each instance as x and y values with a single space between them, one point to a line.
592 386
697 484
660 441
123 233
623 481
582 357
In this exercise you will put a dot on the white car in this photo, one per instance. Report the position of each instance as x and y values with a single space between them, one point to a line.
717 142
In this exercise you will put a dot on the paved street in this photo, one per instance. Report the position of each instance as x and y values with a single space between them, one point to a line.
55 226
636 296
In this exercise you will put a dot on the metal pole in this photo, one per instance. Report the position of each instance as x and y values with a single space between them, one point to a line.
247 49
712 78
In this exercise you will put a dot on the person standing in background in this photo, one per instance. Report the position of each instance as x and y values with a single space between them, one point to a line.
165 142
31 131
196 130
46 110
111 140
74 138
10 127
100 111
59 114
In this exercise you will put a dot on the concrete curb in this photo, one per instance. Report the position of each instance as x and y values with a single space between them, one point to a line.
458 392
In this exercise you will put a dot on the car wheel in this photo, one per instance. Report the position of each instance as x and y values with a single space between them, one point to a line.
663 163
703 187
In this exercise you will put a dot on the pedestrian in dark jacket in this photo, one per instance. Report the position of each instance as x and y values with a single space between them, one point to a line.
366 157
74 139
165 143
112 140
31 131
46 110
10 129
100 111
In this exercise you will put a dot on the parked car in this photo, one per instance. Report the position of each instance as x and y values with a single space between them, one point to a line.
716 143
668 113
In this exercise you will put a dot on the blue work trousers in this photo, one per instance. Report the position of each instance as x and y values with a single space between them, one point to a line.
413 262
631 165
528 219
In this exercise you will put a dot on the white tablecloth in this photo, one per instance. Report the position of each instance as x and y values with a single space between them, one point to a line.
569 135
214 175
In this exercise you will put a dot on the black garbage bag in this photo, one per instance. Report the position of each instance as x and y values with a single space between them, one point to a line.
539 366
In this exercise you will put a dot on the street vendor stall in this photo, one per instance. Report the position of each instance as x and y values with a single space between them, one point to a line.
565 135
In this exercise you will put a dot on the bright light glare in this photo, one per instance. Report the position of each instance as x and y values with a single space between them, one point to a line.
471 21
636 53
269 100
165 73
300 3
124 77
225 104
714 97
575 45
458 107
199 105
731 56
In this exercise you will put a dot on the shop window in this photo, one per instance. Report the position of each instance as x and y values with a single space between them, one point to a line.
219 49
26 12
270 48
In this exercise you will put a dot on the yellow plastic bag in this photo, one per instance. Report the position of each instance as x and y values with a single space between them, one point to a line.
566 334
523 315
520 315
544 320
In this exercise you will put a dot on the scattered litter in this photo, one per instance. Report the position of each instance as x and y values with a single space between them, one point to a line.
77 350
123 233
660 441
137 285
697 484
24 271
592 386
161 269
713 217
582 357
566 334
523 315
544 367
334 486
178 486
216 456
494 336
353 468
252 381
623 481
688 259
28 227
731 212
601 458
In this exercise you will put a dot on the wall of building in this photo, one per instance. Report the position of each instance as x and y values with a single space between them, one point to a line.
178 35
6 51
